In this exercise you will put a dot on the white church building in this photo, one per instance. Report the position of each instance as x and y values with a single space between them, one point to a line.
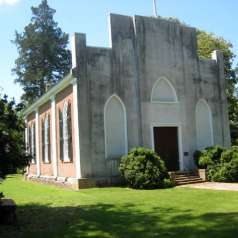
148 88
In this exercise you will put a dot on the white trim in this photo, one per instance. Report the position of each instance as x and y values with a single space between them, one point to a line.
66 132
180 142
73 51
33 142
37 143
171 86
53 131
52 92
46 139
76 129
26 143
125 123
109 30
202 100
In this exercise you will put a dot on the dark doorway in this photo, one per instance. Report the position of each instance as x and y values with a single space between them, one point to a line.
166 145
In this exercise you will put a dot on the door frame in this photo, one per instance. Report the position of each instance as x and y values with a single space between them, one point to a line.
180 144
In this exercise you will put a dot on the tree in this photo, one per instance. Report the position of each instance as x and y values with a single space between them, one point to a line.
207 43
12 150
43 57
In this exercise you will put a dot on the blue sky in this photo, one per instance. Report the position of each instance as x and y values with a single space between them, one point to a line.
217 16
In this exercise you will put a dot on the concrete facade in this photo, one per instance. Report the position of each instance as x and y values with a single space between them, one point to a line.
143 51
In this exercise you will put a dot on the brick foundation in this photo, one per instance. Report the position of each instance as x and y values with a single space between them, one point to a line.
76 184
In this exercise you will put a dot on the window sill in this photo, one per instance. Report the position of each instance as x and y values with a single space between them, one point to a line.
67 161
46 162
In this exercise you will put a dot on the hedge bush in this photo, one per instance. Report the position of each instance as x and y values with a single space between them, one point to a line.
221 163
143 169
208 157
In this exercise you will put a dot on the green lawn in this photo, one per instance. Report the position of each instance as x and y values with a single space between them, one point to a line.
49 212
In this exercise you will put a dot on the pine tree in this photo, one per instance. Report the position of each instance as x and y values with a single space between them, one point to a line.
43 55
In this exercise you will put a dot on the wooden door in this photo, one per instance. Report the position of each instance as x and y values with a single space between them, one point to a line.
166 146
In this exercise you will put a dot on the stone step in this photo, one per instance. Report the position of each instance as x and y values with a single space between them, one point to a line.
188 182
184 172
194 180
186 176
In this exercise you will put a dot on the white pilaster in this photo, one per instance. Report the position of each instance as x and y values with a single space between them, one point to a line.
37 143
54 142
73 50
76 129
26 143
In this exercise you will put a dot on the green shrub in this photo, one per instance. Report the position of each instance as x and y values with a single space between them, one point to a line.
208 157
168 183
229 154
215 174
226 170
205 161
215 152
142 168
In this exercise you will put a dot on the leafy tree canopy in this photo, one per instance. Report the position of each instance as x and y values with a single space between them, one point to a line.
12 150
43 55
207 43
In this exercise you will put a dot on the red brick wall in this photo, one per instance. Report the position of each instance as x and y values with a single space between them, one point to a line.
65 169
45 168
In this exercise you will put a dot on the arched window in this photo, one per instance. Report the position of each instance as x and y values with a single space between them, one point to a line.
204 128
32 141
65 122
29 139
163 91
115 128
45 139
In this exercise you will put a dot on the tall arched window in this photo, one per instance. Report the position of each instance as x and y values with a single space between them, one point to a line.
204 128
163 91
115 128
65 122
45 139
32 141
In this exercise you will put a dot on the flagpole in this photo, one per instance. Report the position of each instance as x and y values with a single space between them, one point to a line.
155 8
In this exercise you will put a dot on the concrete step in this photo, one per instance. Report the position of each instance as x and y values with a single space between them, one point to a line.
188 182
186 176
182 178
184 172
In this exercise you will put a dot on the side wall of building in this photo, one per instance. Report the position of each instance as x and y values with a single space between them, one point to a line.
55 168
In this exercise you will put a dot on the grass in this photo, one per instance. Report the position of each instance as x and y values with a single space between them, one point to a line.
49 212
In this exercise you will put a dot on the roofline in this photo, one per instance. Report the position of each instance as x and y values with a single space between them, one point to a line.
68 79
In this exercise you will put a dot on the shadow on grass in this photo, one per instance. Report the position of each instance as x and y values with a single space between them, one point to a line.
106 220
